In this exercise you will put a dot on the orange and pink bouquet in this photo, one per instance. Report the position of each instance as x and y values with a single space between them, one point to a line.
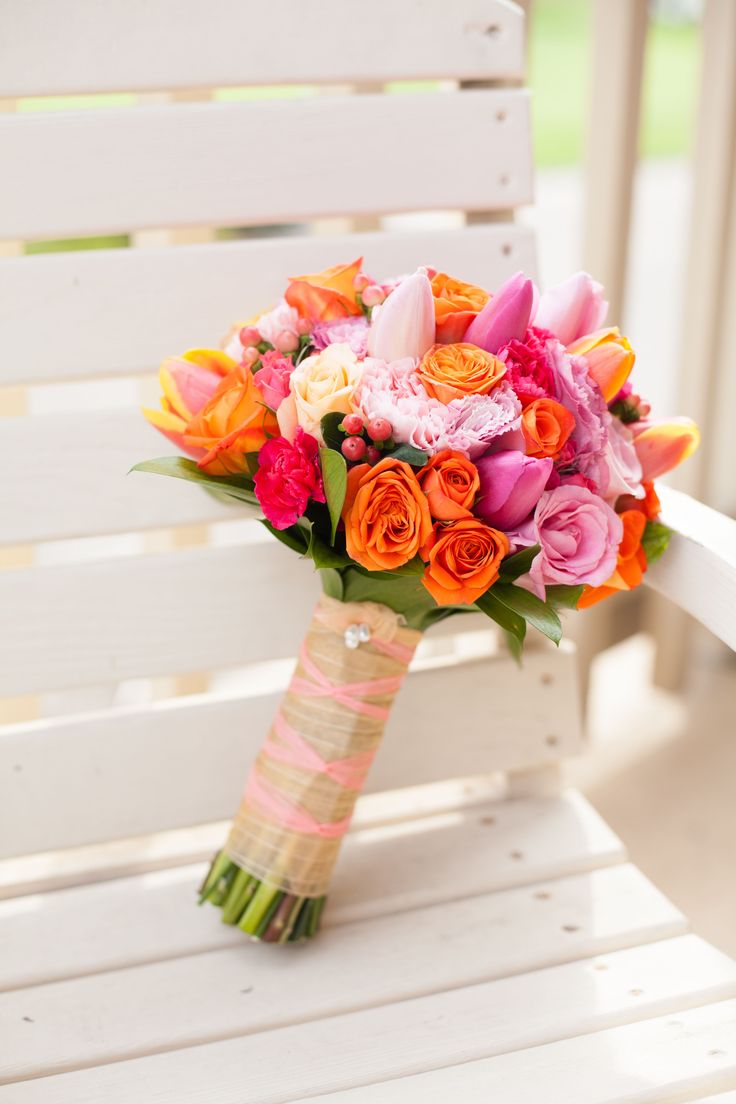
432 448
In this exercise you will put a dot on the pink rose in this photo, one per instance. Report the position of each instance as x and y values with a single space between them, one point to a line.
510 487
477 420
273 377
287 477
394 391
579 536
528 367
342 331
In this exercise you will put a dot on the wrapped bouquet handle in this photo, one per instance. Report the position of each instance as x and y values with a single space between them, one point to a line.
272 875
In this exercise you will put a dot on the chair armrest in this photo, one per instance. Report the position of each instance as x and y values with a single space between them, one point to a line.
698 570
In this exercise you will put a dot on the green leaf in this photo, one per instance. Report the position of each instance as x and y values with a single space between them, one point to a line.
335 479
404 594
323 555
512 624
564 597
518 564
410 455
294 537
331 435
531 608
332 583
655 540
414 566
240 487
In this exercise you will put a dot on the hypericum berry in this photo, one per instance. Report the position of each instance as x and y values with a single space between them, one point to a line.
361 281
379 429
250 356
373 295
287 341
249 336
372 454
353 448
352 423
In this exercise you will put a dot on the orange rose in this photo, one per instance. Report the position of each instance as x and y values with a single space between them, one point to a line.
324 296
233 422
464 560
546 426
630 564
455 306
450 482
453 371
386 515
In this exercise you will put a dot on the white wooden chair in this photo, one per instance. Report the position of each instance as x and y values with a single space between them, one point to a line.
485 937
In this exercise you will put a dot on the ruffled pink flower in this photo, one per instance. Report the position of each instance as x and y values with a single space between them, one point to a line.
578 534
528 367
288 477
574 388
342 331
477 420
273 377
281 317
620 465
395 392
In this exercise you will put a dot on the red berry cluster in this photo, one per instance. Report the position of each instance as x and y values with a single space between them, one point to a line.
355 447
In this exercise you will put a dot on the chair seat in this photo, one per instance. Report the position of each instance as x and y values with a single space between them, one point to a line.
483 949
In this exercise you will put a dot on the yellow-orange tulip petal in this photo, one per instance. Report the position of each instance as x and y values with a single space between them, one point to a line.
324 296
661 447
610 358
173 427
214 360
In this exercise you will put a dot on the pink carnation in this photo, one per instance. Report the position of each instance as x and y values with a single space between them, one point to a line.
394 391
528 368
342 331
477 420
287 477
272 379
574 388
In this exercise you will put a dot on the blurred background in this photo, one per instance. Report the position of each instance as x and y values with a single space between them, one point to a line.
633 118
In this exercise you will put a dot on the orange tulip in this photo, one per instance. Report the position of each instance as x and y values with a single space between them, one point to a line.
661 447
631 562
324 296
610 358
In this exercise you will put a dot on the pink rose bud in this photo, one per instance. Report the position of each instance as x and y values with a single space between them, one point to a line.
249 335
505 317
250 356
287 341
352 423
379 429
511 484
361 281
303 326
353 448
373 295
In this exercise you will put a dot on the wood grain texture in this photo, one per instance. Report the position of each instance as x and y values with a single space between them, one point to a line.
170 1005
189 44
193 164
384 868
108 775
157 302
461 1025
664 1059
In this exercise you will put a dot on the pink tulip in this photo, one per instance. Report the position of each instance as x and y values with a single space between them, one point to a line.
188 383
662 446
573 308
404 324
510 487
505 317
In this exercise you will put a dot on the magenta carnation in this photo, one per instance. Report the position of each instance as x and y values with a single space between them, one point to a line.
287 477
528 368
272 379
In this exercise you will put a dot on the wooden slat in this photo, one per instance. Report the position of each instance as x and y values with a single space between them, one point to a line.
512 1014
384 868
158 301
698 570
169 1005
109 775
53 49
130 169
665 1059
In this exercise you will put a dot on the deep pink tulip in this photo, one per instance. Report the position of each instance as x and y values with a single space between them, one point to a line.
505 317
511 484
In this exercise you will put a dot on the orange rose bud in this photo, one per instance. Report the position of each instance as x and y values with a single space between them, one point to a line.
386 515
546 425
233 422
324 296
450 482
455 306
630 564
463 561
453 371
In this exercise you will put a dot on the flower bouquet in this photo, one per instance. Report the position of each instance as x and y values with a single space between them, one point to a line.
433 448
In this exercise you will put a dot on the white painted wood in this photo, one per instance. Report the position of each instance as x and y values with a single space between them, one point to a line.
194 163
665 1059
111 774
698 571
112 312
169 1005
80 47
511 1014
384 868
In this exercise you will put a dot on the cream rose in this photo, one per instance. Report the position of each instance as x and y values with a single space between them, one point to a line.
320 384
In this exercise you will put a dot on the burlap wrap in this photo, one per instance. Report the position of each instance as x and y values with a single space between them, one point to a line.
297 861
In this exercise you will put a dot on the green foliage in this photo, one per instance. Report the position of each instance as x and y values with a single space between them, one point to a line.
332 436
655 540
513 625
518 564
534 611
564 597
410 455
296 537
177 467
335 479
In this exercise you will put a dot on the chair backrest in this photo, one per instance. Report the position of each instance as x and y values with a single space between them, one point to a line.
98 604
